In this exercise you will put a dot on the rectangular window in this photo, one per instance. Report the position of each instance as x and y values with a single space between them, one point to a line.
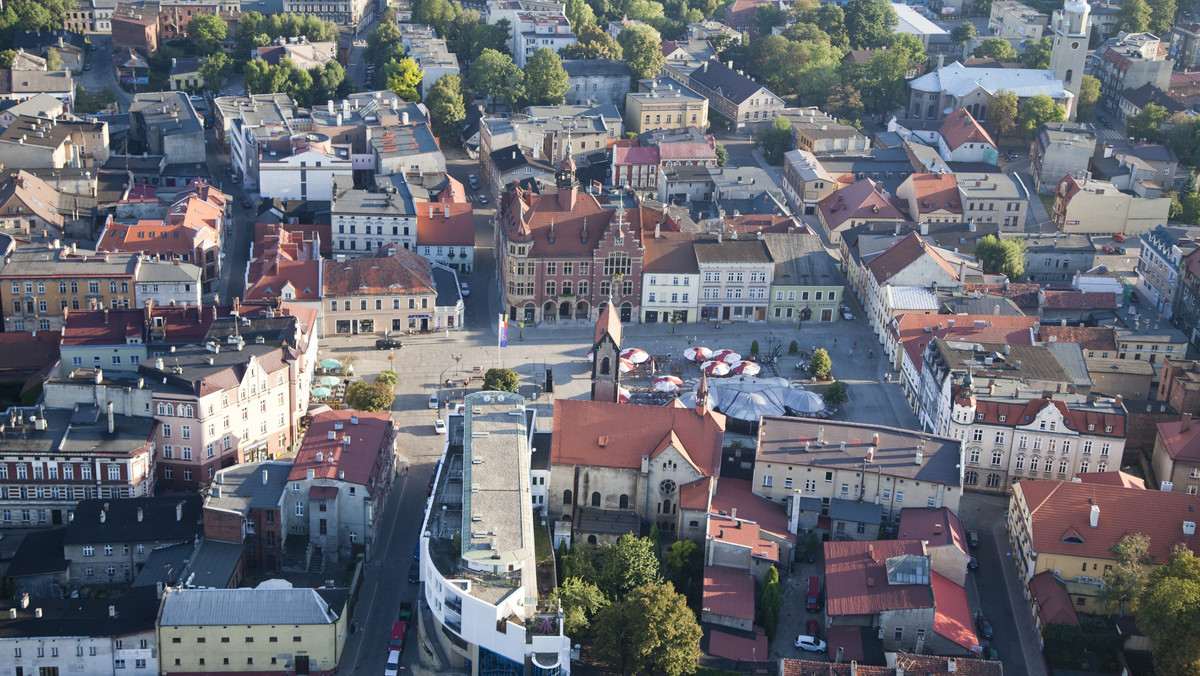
768 481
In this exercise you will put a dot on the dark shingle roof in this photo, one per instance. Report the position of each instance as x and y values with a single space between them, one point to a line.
121 522
733 86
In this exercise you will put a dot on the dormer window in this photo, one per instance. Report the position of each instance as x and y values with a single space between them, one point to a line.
1073 540
979 416
1003 417
1108 429
1091 427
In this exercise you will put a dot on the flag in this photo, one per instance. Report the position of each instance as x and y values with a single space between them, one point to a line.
503 331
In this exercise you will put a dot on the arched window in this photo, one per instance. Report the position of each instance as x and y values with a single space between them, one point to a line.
605 366
566 289
567 497
595 498
971 478
666 507
1067 79
993 480
624 501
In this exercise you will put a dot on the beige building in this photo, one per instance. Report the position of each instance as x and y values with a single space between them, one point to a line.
37 285
1017 22
392 290
663 103
801 458
740 100
1130 378
994 198
1176 457
296 631
807 285
1092 206
805 181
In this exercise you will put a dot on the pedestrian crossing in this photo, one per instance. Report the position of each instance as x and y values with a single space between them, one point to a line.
1109 135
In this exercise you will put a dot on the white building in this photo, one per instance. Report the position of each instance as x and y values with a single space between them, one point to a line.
910 21
166 283
364 220
478 569
670 279
532 32
302 175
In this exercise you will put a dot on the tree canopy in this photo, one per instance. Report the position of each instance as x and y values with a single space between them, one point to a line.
1126 581
580 601
214 70
208 31
820 365
627 565
1038 110
1002 113
642 48
652 630
1133 16
1002 256
505 380
1089 94
495 74
1147 124
776 140
1037 55
545 79
403 77
963 33
869 23
364 396
1169 612
383 45
446 108
995 48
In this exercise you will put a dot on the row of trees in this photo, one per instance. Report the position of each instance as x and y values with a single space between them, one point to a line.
19 16
308 87
1006 115
258 30
542 82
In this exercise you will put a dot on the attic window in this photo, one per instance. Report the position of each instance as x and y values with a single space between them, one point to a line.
1091 427
1073 540
1026 418
603 441
979 416
1003 417
1108 429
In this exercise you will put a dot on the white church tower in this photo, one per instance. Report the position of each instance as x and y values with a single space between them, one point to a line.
1071 33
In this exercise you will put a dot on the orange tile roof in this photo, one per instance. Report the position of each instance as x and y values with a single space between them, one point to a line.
1062 508
603 434
936 192
1088 337
729 592
1111 478
1077 417
938 526
797 667
736 494
1181 438
1054 603
608 322
952 614
284 257
860 200
391 270
530 217
740 648
856 581
360 460
695 494
903 254
742 533
445 224
102 327
909 330
959 127
154 238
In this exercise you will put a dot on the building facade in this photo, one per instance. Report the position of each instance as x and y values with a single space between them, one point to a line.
734 279
365 220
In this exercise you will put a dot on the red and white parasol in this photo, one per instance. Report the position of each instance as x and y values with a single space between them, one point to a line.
626 366
727 356
667 384
697 353
591 355
635 355
623 395
715 368
746 368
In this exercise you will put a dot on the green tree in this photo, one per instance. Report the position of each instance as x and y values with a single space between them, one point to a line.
963 33
441 14
652 630
642 49
835 394
685 562
1184 139
580 562
1148 123
593 43
647 11
1037 55
1002 256
627 565
1089 94
403 77
869 23
53 60
545 80
383 45
1038 110
494 74
262 78
580 14
446 108
387 377
1190 208
1126 581
844 101
832 21
995 48
495 36
208 31
1170 612
767 17
580 600
1162 16
505 380
722 154
364 396
1002 113
1133 16
770 602
7 57
820 365
214 70
776 140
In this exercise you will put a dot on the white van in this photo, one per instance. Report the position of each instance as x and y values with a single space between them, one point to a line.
393 664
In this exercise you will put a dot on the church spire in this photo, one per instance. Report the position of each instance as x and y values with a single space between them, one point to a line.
702 396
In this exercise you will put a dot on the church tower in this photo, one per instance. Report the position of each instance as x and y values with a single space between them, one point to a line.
1071 33
606 351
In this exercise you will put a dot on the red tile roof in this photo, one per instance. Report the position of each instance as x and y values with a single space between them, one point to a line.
391 270
1025 295
909 330
736 494
283 258
938 526
1061 508
694 494
308 231
102 327
742 534
696 151
935 192
903 254
959 128
1088 337
603 434
860 200
628 155
795 667
1058 299
609 322
1111 478
445 224
729 592
1077 417
360 461
1054 603
670 252
740 648
952 614
928 665
1181 439
534 218
856 580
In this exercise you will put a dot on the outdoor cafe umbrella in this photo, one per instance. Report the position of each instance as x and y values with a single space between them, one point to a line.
727 356
668 385
635 355
623 395
626 366
330 363
591 355
328 381
715 368
697 353
320 392
746 368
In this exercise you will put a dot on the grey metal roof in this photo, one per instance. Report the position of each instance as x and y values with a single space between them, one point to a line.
175 518
256 485
199 607
167 271
165 565
854 510
595 67
732 251
213 564
445 281
801 260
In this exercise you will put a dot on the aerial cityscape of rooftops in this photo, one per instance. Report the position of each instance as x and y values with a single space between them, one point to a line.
530 338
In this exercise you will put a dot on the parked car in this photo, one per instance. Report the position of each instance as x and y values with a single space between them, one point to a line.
812 601
247 204
87 66
433 400
388 344
466 290
396 640
439 426
810 643
414 572
1119 238
1109 249
847 315
973 563
973 539
393 664
985 627
406 609
812 628
1134 298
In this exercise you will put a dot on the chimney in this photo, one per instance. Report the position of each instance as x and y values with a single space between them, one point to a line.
12 613
733 513
24 600
111 422
139 514
1094 519
179 512
264 476
103 516
1117 401
1185 421
112 611
37 612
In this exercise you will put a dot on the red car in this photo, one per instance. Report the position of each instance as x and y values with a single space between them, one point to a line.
1108 249
811 627
1118 237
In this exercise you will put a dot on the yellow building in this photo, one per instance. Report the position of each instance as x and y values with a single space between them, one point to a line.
1067 527
663 103
295 631
38 283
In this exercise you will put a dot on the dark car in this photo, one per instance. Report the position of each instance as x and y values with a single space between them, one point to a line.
405 612
973 539
973 563
417 552
1134 298
985 627
414 573
811 628
989 653
388 344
